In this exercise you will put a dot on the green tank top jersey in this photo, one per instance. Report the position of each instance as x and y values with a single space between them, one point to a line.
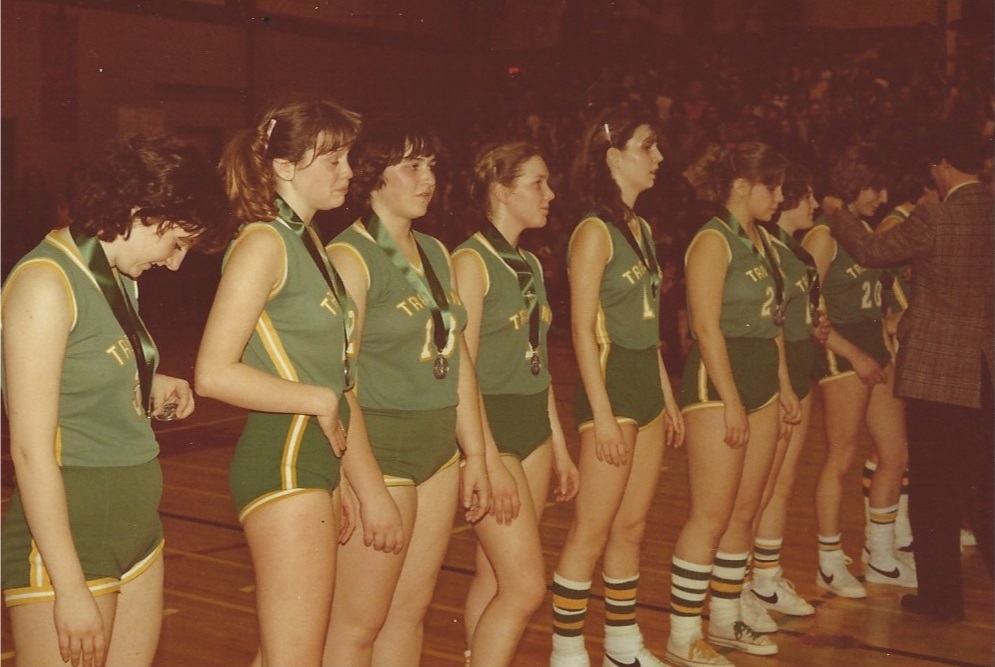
748 296
897 296
505 353
797 286
629 307
101 419
299 335
852 293
398 349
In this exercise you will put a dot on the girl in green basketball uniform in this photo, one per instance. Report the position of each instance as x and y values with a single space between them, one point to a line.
736 396
277 342
508 317
769 589
907 189
82 540
413 371
855 376
625 407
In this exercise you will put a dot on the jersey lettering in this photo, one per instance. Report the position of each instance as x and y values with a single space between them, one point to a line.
757 274
412 305
121 351
635 273
855 270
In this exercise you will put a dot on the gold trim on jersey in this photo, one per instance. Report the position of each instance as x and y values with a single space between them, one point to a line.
274 348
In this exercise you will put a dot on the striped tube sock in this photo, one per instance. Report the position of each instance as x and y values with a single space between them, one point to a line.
620 601
622 637
880 538
766 563
569 610
830 549
688 587
726 587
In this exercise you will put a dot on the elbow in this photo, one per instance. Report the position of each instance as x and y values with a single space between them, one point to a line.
204 383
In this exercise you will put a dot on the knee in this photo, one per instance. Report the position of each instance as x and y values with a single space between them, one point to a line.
526 591
628 531
590 540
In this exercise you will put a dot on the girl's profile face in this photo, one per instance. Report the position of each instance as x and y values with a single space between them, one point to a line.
317 183
146 248
638 162
764 200
528 197
868 200
407 188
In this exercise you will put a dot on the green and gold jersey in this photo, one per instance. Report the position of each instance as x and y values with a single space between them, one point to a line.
748 295
505 352
397 350
629 306
852 292
101 418
299 334
797 288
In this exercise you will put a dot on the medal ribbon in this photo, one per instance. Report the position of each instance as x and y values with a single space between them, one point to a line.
514 260
432 293
146 354
815 287
767 256
328 272
644 252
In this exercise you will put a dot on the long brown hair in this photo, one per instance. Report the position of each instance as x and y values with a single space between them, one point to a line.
286 132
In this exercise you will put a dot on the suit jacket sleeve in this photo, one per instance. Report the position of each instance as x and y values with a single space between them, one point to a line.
904 242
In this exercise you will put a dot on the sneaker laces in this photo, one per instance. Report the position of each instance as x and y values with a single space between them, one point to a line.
741 630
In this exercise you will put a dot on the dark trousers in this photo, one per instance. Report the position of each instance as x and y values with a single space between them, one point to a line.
951 473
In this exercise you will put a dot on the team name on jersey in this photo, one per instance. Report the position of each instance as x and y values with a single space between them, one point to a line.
417 303
121 351
802 284
855 270
757 273
635 273
521 318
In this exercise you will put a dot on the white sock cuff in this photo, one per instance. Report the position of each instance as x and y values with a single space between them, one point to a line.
573 585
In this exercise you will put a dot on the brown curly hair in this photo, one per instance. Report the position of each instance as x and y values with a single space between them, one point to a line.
157 180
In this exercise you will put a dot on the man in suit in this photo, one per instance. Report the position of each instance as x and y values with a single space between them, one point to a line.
945 363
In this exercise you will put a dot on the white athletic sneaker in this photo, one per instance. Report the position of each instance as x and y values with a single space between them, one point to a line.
755 614
561 659
782 598
835 578
643 659
696 653
741 637
899 574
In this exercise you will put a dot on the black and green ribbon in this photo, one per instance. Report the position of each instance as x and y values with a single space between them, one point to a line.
514 260
317 251
766 257
429 289
109 282
815 286
645 253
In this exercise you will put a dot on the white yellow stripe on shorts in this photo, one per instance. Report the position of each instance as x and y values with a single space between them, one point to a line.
701 391
41 590
288 468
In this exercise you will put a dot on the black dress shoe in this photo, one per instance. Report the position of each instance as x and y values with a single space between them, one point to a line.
915 604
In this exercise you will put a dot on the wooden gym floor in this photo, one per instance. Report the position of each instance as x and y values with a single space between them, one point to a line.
210 618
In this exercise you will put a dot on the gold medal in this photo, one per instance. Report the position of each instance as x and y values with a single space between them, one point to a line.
535 365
